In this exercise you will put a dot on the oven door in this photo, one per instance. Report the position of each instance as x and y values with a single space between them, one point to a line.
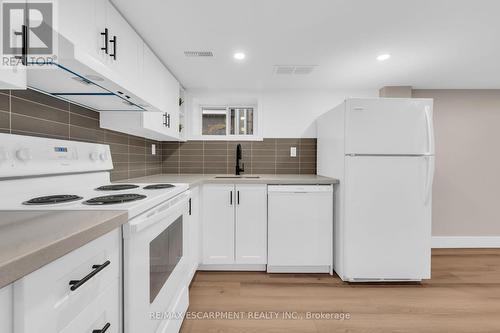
156 267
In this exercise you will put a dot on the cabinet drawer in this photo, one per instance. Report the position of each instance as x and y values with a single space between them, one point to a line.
104 311
43 300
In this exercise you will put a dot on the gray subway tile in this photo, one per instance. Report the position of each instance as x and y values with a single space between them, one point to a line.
40 98
40 126
27 108
4 103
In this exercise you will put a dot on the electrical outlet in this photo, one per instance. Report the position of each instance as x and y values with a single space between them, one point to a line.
293 151
153 149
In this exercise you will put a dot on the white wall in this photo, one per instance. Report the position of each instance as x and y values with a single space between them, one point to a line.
282 113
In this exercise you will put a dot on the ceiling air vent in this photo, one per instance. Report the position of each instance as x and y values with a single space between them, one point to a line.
198 53
293 69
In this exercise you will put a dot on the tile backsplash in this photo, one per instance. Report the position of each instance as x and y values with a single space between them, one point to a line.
27 112
270 156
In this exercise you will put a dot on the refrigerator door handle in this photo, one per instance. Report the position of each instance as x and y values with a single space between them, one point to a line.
429 178
429 130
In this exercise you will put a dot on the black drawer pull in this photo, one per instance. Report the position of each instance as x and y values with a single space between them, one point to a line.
102 330
75 284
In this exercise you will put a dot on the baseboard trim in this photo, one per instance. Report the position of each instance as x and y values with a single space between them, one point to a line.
232 267
453 242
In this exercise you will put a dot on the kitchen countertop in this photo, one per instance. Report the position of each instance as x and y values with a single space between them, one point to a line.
32 239
197 179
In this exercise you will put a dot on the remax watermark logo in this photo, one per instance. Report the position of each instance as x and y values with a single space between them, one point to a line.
28 34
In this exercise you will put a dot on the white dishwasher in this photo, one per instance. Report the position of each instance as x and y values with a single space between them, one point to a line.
300 227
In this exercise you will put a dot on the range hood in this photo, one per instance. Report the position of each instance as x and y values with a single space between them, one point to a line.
79 78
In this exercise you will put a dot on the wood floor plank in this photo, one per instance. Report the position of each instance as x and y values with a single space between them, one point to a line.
462 296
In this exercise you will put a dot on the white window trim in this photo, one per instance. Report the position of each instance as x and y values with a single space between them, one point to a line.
256 136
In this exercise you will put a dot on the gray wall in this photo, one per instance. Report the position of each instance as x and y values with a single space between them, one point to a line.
466 195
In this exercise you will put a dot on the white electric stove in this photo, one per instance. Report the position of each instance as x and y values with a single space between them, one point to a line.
48 174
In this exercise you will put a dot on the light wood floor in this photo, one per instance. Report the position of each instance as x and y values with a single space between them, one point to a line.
462 296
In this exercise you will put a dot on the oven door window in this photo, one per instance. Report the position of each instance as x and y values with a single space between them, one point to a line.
165 252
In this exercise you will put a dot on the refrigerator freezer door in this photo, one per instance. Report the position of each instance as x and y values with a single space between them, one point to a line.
389 126
388 218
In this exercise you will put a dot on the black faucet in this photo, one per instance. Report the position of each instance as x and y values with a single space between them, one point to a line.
238 158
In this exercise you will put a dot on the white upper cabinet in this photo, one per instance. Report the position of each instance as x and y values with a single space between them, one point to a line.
86 30
161 89
12 75
97 36
151 79
125 49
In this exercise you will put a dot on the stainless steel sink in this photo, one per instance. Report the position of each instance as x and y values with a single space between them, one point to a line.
237 177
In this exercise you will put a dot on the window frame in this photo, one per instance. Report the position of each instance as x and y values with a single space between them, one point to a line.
228 136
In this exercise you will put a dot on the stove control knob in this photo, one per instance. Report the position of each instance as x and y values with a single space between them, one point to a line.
103 156
94 156
23 154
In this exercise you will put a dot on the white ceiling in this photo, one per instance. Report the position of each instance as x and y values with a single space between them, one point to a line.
433 43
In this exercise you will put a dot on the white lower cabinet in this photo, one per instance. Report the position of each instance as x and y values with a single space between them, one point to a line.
218 224
234 224
194 229
101 315
251 224
74 292
6 309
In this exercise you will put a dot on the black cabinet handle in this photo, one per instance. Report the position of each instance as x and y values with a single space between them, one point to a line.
24 48
114 42
102 330
238 197
231 198
189 206
75 284
168 120
106 35
165 119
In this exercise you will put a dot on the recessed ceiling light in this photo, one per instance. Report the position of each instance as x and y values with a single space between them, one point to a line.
383 57
239 56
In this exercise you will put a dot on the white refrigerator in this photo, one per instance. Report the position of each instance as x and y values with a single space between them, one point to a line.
382 151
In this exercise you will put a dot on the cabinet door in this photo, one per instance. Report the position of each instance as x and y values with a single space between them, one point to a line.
151 78
170 91
6 311
84 29
126 46
218 224
194 227
251 224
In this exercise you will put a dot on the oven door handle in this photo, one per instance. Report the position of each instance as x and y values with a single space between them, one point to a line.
172 207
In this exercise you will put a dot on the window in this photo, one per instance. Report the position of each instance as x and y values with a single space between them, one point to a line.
214 121
241 121
228 121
